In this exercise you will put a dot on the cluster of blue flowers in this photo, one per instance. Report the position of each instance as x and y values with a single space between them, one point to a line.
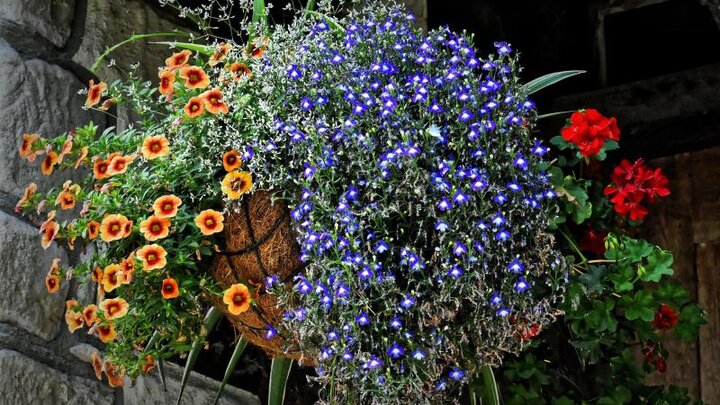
418 200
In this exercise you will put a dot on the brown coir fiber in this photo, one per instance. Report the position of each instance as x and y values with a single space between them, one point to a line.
259 243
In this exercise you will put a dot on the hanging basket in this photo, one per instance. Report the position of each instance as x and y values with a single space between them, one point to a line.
259 243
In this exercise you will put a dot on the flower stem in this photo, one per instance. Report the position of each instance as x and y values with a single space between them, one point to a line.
573 245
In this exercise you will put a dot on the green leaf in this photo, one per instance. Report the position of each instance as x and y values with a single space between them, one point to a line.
212 317
161 370
310 5
658 264
560 142
642 306
134 38
553 114
547 80
279 373
259 12
237 353
672 293
486 387
690 319
620 395
201 49
593 279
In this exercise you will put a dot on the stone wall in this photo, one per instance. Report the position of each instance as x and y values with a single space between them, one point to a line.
46 47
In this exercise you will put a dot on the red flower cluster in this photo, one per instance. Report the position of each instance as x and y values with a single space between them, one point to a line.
665 318
656 359
588 130
633 184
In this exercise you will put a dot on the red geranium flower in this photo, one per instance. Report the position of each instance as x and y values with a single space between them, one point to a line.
593 241
633 184
665 318
589 130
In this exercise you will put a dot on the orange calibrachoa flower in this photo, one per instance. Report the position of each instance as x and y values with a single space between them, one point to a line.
166 206
231 160
220 53
178 60
167 80
114 308
48 164
113 227
115 377
194 107
27 195
210 222
170 289
155 147
106 332
213 102
237 298
52 280
93 229
90 314
240 70
119 164
95 93
127 229
236 183
195 77
111 277
65 150
258 47
66 199
26 148
49 231
73 318
153 257
148 365
81 158
97 275
97 365
107 104
154 227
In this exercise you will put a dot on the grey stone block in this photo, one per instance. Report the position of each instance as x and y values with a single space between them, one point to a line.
52 19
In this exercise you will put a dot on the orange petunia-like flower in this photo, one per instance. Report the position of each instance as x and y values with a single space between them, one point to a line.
52 282
240 70
231 160
127 229
90 314
93 229
194 107
49 231
97 365
166 206
152 256
113 227
67 200
95 93
236 183
258 47
195 77
114 308
106 332
81 157
48 164
111 277
73 318
213 101
100 169
116 378
167 81
119 164
178 60
27 195
127 267
210 222
170 289
237 298
220 53
65 150
149 364
26 147
155 147
97 275
154 227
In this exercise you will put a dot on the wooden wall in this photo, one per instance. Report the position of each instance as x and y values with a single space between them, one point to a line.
688 224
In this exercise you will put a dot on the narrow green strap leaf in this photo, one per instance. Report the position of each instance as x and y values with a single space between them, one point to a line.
212 317
237 353
473 394
310 5
161 370
488 389
259 12
279 372
201 49
549 79
553 114
153 339
134 38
